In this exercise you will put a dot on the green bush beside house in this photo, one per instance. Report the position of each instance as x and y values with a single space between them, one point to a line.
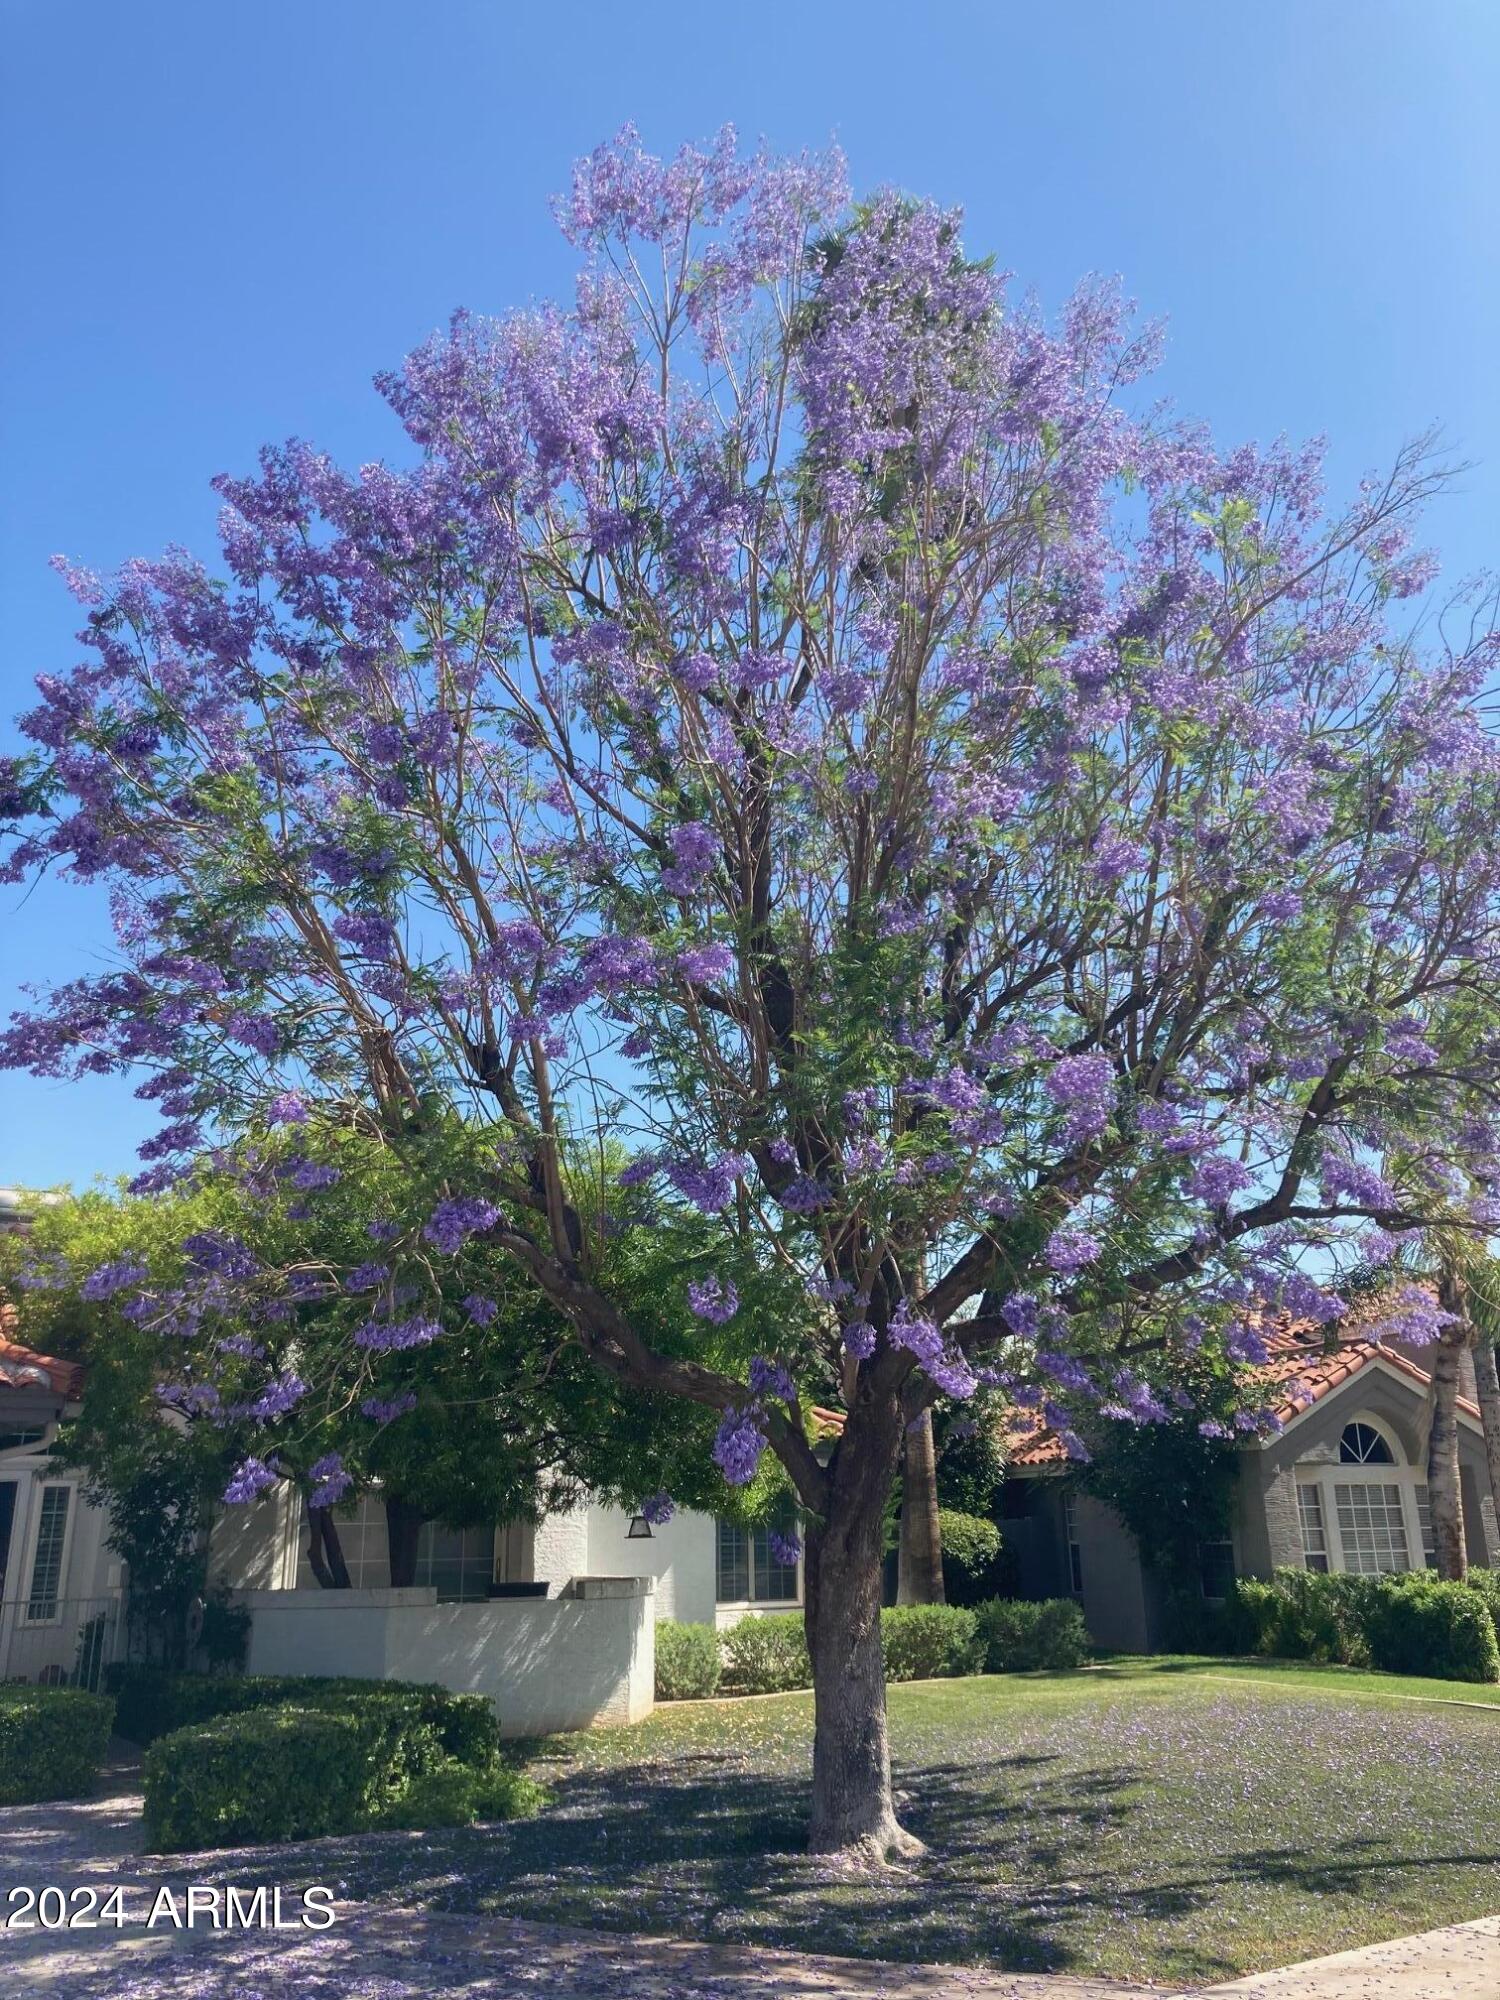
1410 1623
767 1654
52 1742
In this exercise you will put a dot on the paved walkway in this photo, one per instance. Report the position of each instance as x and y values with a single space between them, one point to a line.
380 1953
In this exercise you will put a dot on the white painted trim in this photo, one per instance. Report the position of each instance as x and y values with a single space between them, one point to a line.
1326 1474
1351 1383
39 1485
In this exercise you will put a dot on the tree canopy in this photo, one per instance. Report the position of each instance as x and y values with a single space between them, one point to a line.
1021 873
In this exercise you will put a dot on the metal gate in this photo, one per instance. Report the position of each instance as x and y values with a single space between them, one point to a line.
61 1641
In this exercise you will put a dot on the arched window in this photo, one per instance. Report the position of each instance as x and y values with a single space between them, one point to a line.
1362 1444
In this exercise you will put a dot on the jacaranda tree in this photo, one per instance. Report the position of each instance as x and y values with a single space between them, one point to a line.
1005 861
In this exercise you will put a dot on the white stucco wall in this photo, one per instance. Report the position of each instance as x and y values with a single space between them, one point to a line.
680 1556
578 1661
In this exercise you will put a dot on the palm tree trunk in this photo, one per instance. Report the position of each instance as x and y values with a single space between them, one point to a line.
1487 1382
1444 1492
919 1568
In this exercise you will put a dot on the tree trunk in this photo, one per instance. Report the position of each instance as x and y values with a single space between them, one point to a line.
325 1552
1444 1493
403 1533
919 1568
853 1811
1487 1384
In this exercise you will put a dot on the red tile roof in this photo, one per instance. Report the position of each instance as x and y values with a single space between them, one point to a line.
23 1368
1301 1369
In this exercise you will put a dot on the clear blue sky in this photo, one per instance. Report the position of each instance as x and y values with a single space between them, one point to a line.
217 222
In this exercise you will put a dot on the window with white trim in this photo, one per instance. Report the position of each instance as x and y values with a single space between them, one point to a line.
749 1571
1314 1533
1362 1444
1372 1527
1364 1511
47 1554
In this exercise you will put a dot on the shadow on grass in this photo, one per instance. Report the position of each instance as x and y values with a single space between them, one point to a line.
1035 1865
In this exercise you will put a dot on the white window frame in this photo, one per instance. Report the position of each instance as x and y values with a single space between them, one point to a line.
1325 1475
752 1602
40 1486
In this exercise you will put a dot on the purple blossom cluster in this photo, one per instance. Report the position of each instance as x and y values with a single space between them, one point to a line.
713 1298
1070 1251
770 1378
387 1336
456 1219
924 1340
107 1279
385 1410
1084 1088
329 1480
740 1444
250 1480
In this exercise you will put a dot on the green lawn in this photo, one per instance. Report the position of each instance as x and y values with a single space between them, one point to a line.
1179 1821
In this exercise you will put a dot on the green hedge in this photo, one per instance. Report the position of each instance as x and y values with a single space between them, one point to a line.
1411 1623
688 1664
151 1704
1019 1636
52 1742
356 1754
924 1642
973 1568
766 1655
1422 1625
1300 1615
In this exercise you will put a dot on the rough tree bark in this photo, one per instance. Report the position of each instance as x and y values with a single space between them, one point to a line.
853 1810
403 1532
919 1568
1444 1491
1487 1382
325 1552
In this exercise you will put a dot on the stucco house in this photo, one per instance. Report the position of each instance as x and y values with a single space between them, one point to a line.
1340 1486
60 1587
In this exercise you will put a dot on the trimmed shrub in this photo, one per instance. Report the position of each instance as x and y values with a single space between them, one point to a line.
972 1565
52 1742
688 1665
278 1774
1486 1583
363 1753
924 1642
1019 1636
1421 1625
766 1654
1301 1615
451 1794
151 1704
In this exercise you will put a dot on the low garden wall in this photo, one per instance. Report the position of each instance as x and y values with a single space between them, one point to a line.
584 1658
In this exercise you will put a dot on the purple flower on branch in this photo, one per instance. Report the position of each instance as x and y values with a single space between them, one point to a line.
739 1444
455 1220
250 1480
1070 1250
713 1298
107 1279
330 1481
